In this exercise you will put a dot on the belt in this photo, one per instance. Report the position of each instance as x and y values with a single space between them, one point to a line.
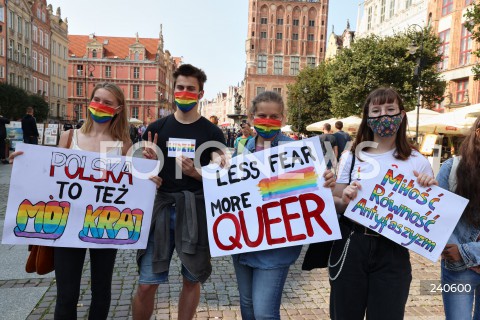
358 228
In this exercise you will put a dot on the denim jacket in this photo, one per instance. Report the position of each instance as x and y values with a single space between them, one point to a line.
464 235
273 258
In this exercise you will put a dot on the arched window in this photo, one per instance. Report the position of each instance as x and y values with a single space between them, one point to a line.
94 53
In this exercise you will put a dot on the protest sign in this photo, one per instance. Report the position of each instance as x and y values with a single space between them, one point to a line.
396 206
70 198
269 199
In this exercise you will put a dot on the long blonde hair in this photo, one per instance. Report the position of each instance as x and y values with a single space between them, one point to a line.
118 128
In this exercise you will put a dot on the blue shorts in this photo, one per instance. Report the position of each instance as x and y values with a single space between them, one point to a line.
146 273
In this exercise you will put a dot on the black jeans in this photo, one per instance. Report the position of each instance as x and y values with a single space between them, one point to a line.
375 277
30 140
2 148
68 274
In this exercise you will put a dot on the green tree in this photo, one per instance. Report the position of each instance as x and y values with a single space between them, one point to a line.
473 17
373 61
308 100
13 101
40 106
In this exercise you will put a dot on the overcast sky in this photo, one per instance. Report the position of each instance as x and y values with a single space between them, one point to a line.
209 34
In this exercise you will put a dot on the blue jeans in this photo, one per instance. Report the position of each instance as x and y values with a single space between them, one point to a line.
459 306
260 291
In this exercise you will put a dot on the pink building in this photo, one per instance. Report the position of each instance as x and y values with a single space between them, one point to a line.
139 66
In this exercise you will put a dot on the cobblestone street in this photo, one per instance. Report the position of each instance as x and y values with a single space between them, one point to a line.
305 296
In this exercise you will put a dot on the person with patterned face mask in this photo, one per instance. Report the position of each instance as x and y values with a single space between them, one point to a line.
364 263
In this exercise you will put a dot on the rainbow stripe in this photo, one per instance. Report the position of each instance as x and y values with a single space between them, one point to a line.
267 128
288 184
101 113
186 101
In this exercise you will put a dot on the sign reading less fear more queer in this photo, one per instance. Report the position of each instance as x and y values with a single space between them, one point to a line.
269 199
69 198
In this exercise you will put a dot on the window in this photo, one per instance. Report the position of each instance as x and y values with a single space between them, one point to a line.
27 56
277 90
11 79
2 44
369 19
310 37
59 92
465 46
79 69
311 23
27 84
294 66
294 36
136 56
79 89
20 53
392 8
64 72
10 49
11 19
2 18
135 112
108 71
19 25
54 47
77 109
45 68
39 14
263 35
94 53
311 62
35 64
40 37
444 49
296 22
462 89
279 36
54 68
19 81
263 20
260 90
40 62
382 10
46 44
136 72
280 22
40 86
447 7
27 30
136 91
2 72
262 64
35 33
44 17
278 65
35 85
45 88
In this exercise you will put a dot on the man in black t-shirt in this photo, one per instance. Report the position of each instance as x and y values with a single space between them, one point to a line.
329 145
341 138
179 136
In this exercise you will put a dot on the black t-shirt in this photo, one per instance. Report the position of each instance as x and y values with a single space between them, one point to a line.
329 138
342 138
201 130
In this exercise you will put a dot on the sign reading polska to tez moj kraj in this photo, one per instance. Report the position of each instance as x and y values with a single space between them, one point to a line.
269 199
396 206
70 198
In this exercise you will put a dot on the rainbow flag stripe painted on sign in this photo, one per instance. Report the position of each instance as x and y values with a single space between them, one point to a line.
288 184
101 113
186 99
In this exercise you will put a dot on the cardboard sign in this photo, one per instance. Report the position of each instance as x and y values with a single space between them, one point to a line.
269 199
177 147
69 198
397 207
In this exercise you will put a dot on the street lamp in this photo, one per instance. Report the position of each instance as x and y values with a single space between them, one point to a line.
91 68
412 49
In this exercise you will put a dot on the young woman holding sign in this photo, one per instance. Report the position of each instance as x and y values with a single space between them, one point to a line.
106 121
368 272
461 256
261 275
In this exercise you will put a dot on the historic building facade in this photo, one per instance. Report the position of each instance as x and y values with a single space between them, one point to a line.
3 42
337 42
58 64
139 66
41 49
283 38
448 21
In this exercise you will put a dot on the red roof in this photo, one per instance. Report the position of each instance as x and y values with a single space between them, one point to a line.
117 46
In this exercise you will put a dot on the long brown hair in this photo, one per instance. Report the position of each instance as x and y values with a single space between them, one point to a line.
468 174
381 96
118 128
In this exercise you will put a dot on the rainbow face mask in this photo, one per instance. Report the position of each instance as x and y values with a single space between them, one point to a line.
101 113
267 128
186 101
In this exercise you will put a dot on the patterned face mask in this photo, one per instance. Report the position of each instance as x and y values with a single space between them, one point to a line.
385 126
267 128
186 101
101 113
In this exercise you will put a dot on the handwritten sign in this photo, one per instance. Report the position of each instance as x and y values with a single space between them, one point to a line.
394 205
177 147
269 199
68 198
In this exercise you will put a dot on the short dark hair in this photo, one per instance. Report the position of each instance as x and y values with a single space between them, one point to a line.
327 126
29 109
187 70
245 123
339 125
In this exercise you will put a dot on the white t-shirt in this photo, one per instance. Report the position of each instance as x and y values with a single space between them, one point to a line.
365 169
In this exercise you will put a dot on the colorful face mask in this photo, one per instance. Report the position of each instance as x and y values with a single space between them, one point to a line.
385 126
267 128
186 101
101 113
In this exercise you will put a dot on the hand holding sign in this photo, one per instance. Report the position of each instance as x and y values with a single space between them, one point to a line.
330 181
188 167
13 155
149 151
425 180
350 192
